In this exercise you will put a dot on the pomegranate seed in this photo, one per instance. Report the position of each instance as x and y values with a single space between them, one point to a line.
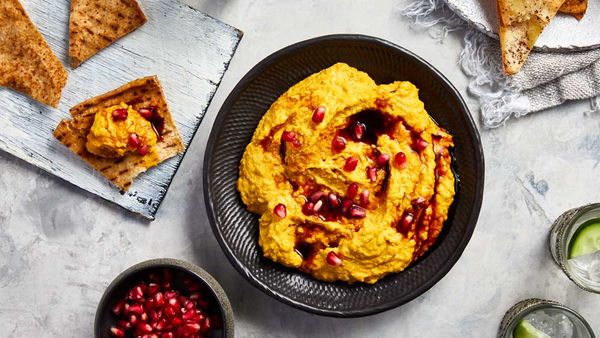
346 205
159 299
420 144
372 173
382 159
307 209
153 288
119 114
400 160
167 335
190 304
173 302
161 324
280 210
123 324
357 212
338 144
358 131
147 113
206 325
117 332
144 327
364 197
407 220
171 294
192 327
155 315
133 319
149 304
319 114
136 293
143 149
318 206
333 259
314 197
176 321
334 201
290 136
144 317
189 315
138 309
118 308
352 190
351 164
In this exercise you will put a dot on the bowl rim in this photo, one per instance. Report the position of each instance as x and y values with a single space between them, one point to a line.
250 76
213 285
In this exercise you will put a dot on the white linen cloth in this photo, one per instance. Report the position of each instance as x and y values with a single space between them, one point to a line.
546 80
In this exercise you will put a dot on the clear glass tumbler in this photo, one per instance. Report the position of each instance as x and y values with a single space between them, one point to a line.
583 270
549 317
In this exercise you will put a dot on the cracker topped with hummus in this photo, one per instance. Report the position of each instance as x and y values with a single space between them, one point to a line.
124 132
352 180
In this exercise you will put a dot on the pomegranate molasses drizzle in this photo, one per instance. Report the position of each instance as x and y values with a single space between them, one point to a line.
321 202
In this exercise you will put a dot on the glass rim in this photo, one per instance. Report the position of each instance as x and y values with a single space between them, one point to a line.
534 304
563 241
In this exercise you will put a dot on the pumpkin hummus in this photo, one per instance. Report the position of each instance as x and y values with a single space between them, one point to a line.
352 179
119 130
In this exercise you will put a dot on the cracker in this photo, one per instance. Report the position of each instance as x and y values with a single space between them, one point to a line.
144 92
95 24
27 64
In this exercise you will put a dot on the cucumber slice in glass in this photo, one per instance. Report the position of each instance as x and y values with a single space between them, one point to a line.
524 329
586 239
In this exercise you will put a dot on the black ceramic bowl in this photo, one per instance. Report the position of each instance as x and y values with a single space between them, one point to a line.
120 286
237 230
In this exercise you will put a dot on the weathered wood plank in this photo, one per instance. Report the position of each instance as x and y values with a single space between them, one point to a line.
188 50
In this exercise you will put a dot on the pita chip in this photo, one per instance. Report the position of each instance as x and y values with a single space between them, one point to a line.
95 24
27 64
521 23
141 93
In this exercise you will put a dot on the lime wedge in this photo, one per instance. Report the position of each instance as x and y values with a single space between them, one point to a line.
586 240
524 329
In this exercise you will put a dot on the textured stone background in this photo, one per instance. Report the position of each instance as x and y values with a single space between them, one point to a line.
60 246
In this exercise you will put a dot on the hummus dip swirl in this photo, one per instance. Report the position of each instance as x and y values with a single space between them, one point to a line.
352 180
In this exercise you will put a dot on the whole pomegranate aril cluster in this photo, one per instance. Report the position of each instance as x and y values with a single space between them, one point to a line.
156 310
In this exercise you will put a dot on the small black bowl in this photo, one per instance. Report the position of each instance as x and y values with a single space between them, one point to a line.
117 290
236 229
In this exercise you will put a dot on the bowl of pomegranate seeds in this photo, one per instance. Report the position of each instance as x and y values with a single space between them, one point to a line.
317 224
164 298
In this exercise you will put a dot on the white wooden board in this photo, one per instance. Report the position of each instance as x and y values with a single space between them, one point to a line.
188 50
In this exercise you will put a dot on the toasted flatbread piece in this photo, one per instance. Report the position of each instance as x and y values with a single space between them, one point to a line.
27 64
576 8
95 24
145 92
521 23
